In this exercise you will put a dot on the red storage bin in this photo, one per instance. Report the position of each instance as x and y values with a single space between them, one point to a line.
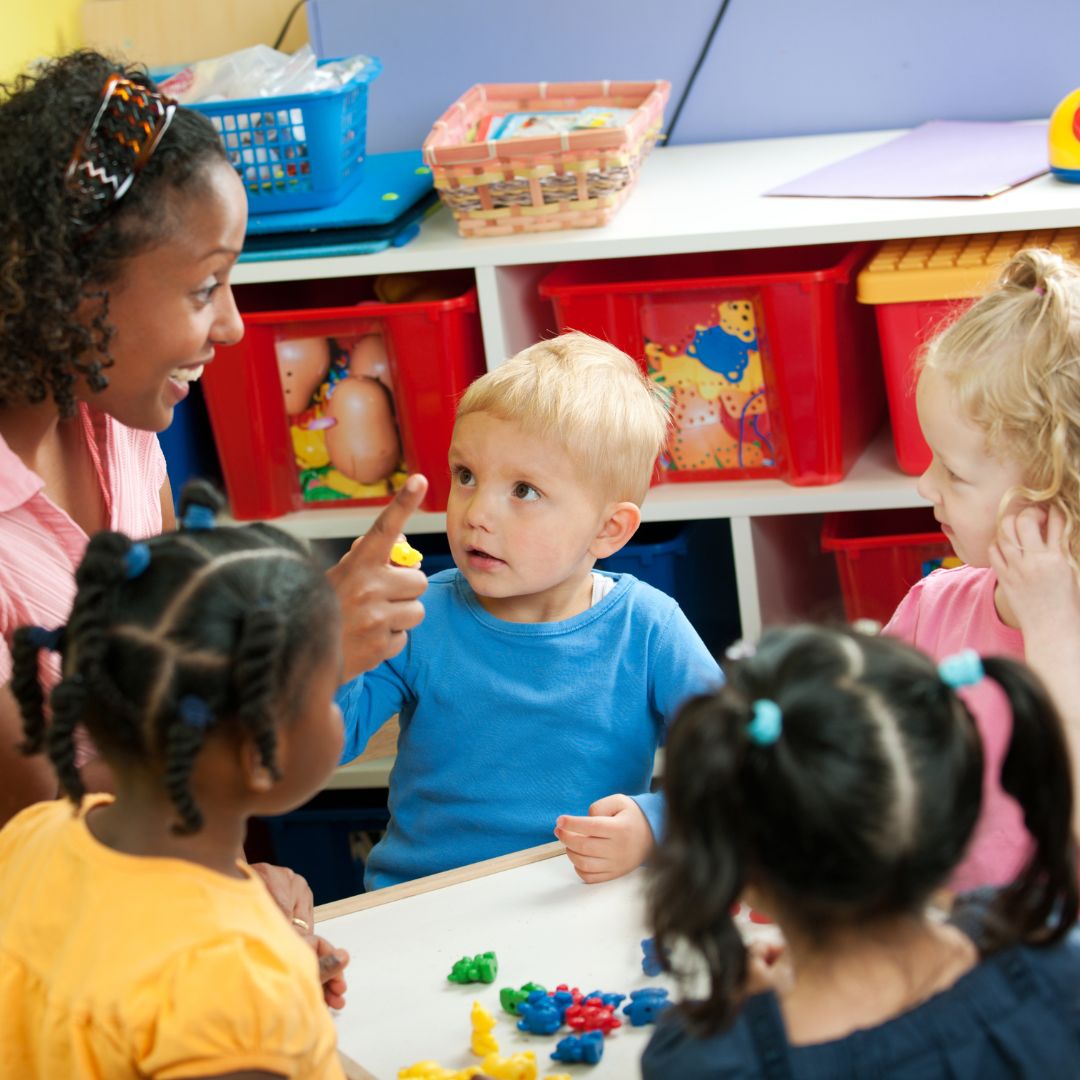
917 286
880 554
904 330
269 453
772 364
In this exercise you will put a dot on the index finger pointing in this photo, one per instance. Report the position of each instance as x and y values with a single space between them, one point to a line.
374 547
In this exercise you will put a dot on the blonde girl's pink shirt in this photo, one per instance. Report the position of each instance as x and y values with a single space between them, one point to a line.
41 546
944 613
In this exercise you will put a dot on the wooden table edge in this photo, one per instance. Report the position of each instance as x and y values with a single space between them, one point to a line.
352 1070
337 908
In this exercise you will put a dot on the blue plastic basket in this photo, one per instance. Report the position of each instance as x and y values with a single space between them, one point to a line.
296 151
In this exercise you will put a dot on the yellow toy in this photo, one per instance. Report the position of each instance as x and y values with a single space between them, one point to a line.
483 1042
518 1067
404 554
432 1070
1064 139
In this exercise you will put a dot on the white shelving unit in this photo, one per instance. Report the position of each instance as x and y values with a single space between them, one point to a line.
690 199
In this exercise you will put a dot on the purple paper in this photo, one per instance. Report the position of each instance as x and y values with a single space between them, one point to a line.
940 159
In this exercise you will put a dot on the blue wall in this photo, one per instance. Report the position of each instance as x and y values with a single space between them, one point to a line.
776 67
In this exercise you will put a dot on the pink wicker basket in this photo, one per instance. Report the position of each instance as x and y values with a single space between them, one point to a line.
539 183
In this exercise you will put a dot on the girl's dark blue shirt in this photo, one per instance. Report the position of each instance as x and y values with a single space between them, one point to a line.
1016 1015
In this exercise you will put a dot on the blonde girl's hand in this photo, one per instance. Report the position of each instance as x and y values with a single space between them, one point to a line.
612 840
1031 563
332 964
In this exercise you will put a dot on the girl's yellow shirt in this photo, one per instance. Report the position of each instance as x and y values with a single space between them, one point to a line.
116 966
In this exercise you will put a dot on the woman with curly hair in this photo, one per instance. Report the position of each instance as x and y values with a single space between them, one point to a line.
114 290
120 223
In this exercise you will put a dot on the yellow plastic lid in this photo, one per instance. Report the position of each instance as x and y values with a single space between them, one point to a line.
951 267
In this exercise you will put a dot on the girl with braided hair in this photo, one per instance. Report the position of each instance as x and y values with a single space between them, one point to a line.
834 782
134 940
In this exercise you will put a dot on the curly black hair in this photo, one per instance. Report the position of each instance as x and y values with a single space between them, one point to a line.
54 273
191 632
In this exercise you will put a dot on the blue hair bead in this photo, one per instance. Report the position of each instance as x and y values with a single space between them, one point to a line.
136 559
197 518
195 712
766 724
961 669
41 638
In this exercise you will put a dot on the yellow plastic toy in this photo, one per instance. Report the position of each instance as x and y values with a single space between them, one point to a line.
520 1066
483 1023
404 554
1064 139
432 1070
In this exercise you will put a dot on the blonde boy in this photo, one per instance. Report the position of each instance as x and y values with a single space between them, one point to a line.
536 689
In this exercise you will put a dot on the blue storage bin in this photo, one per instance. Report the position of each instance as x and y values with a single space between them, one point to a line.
316 840
655 562
188 444
296 151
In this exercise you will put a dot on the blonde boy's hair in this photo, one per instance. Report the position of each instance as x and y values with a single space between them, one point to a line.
592 399
1013 361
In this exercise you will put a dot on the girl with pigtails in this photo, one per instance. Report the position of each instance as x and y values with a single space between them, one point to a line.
134 940
834 783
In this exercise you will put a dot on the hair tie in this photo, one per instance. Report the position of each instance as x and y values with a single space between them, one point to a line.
195 712
136 559
961 669
197 518
41 638
767 723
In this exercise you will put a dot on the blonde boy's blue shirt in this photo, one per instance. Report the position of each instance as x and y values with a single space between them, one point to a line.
504 725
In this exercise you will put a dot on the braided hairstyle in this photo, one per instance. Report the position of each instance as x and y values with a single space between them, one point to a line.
206 628
54 274
858 810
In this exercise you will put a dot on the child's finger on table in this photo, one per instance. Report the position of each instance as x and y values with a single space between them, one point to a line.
585 835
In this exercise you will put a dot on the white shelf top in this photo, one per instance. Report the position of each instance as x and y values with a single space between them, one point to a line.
874 483
709 198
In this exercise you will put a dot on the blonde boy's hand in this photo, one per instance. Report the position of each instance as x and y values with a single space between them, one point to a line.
1032 567
614 839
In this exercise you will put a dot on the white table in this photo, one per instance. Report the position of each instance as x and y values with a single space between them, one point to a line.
544 925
